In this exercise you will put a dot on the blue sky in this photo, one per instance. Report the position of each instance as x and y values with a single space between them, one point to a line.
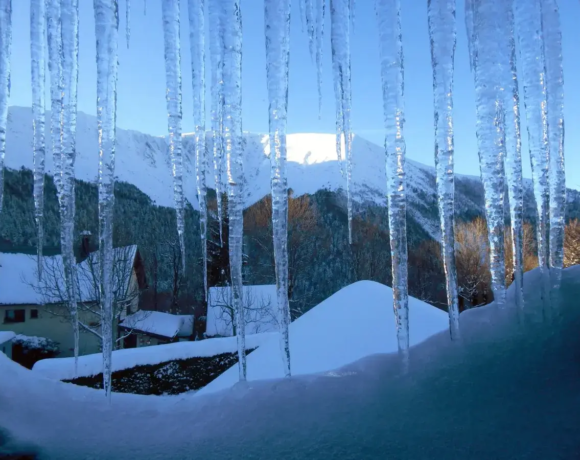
141 97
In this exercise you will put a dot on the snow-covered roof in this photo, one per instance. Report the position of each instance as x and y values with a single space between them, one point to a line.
5 336
88 365
159 323
260 304
355 322
19 284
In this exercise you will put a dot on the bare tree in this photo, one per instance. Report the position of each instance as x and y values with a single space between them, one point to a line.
126 289
572 243
259 314
472 260
529 248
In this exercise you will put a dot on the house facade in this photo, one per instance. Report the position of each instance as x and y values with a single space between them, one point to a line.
38 308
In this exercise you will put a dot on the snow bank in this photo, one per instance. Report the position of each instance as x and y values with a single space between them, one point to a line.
488 397
88 365
159 323
259 302
355 322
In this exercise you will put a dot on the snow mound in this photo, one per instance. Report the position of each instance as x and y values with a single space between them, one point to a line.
159 323
89 365
355 322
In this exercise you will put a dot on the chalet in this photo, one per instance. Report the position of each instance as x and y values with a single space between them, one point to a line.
260 305
156 328
39 308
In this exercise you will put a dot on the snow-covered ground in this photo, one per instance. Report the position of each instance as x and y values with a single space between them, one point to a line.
506 392
355 322
89 365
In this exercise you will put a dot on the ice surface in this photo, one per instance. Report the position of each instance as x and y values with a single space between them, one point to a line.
325 338
277 29
552 35
38 69
442 30
392 80
171 35
488 31
89 365
340 22
531 75
233 143
197 49
445 407
5 48
106 32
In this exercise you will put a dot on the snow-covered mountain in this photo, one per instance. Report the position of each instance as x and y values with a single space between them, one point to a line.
143 160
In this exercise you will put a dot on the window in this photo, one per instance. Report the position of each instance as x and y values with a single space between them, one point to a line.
14 316
34 314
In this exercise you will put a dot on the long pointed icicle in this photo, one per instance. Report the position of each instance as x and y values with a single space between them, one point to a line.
197 48
442 30
56 86
490 133
216 50
38 62
555 95
128 21
469 30
106 31
513 161
392 76
320 16
277 25
5 42
232 119
171 35
340 40
310 25
145 7
70 50
528 22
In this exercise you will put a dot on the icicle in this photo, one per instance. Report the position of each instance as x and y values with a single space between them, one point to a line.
5 42
145 7
106 31
277 27
56 86
514 154
352 8
528 22
392 73
442 30
70 49
197 48
38 63
310 25
340 39
320 14
216 63
555 96
490 132
469 30
128 21
171 35
232 121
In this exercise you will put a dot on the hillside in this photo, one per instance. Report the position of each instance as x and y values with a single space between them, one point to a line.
143 161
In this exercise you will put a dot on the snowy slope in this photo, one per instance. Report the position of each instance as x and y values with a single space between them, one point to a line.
355 322
143 161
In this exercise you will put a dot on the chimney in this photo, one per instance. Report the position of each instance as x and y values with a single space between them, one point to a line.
85 249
